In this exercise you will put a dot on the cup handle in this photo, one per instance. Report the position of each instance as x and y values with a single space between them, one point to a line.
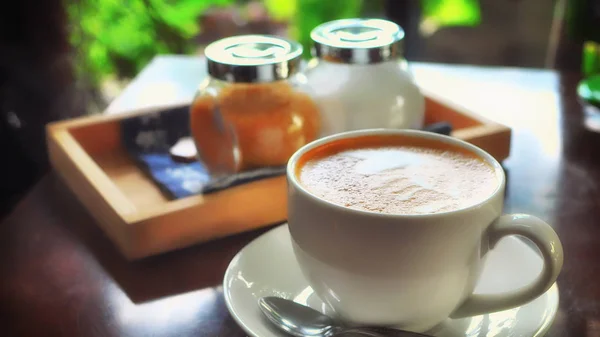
545 238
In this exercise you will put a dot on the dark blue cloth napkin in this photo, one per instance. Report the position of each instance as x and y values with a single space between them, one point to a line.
148 139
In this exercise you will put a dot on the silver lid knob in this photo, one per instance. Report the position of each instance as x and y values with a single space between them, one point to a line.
358 41
253 58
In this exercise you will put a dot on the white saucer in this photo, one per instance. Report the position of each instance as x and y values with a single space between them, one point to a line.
267 267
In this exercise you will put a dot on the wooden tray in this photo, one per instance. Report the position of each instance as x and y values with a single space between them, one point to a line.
141 221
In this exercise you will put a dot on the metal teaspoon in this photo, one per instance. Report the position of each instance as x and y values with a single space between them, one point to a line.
302 321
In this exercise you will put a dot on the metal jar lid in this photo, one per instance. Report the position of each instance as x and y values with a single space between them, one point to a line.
253 58
358 41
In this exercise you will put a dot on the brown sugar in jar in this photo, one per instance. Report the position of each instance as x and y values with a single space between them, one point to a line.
242 120
270 120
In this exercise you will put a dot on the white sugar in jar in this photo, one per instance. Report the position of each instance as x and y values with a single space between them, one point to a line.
359 78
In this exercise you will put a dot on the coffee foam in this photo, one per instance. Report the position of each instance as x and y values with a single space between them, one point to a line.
399 179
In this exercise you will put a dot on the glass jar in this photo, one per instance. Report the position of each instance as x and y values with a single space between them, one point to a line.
360 78
255 108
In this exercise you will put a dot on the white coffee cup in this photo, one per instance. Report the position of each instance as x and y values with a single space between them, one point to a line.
410 271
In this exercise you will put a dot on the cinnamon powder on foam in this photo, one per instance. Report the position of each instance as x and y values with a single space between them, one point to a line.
397 179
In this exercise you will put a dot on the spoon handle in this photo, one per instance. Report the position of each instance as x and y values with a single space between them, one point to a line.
379 332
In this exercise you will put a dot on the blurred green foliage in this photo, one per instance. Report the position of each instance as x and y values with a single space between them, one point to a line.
451 12
120 37
582 25
305 15
591 58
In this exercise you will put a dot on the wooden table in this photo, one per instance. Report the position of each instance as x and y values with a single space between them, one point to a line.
60 276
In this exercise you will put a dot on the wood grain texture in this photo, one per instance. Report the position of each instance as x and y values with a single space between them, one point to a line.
129 206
